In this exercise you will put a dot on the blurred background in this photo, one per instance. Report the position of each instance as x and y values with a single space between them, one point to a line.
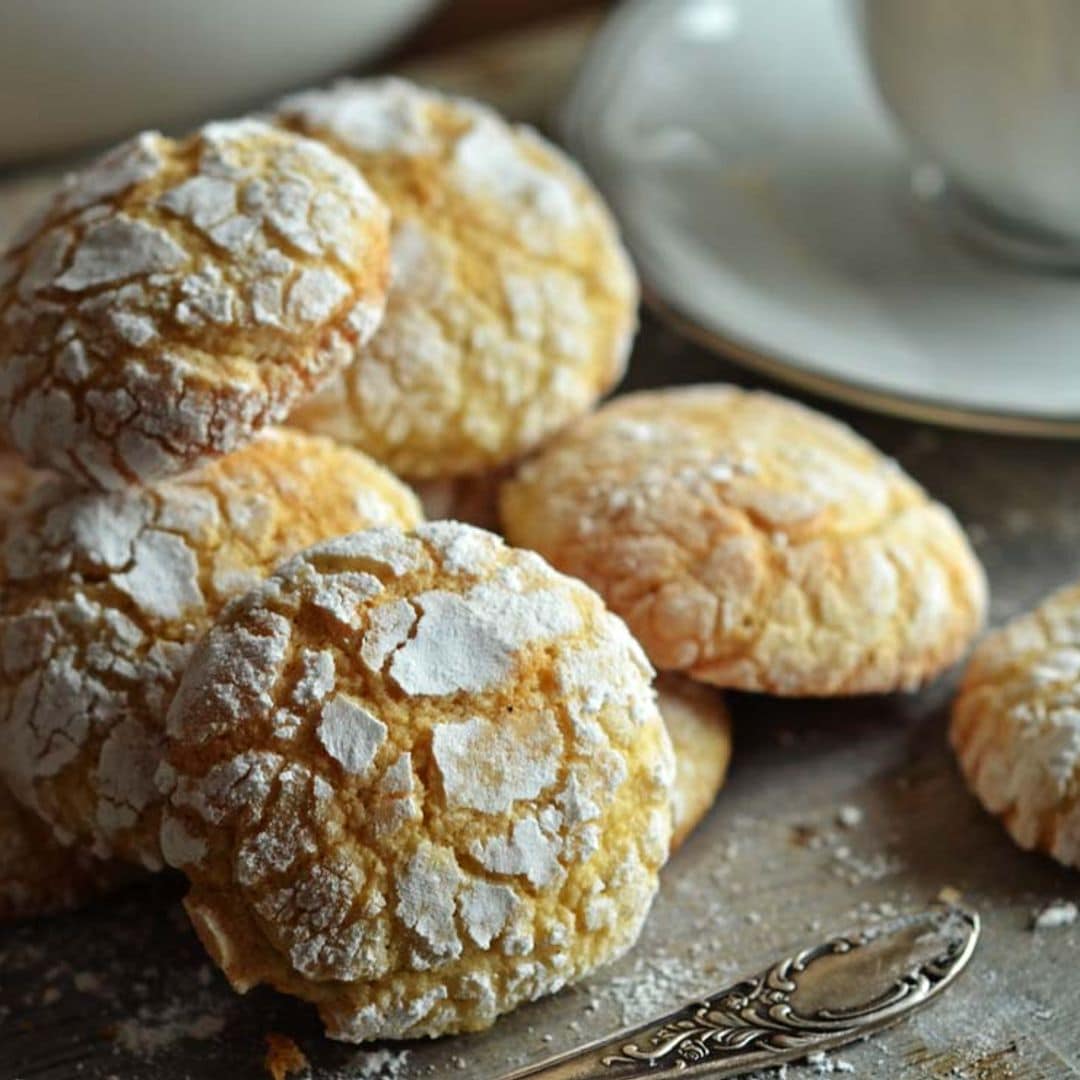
75 75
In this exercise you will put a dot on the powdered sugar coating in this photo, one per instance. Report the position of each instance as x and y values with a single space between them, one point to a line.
176 297
105 596
512 303
38 876
351 735
419 865
1016 726
529 761
753 543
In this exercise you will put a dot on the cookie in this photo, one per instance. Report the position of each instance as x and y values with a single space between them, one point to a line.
176 297
753 543
512 303
38 876
417 779
1016 726
700 728
107 593
17 482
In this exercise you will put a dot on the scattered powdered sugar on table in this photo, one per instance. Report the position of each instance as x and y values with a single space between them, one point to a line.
155 1008
655 984
815 1064
1055 915
373 1065
154 1030
823 1066
852 866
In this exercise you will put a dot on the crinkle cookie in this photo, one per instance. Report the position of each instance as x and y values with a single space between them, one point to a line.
176 297
700 728
753 543
417 779
106 595
39 876
512 303
1016 726
17 482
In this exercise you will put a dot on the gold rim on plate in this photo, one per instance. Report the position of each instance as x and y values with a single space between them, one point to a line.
793 373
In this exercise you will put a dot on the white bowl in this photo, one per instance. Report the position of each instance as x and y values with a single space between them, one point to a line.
77 72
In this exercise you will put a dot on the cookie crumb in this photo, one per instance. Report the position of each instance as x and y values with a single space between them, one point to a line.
283 1057
1054 915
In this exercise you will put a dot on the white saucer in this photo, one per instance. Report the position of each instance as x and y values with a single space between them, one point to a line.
769 205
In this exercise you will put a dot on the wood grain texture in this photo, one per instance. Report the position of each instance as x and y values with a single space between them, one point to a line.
123 990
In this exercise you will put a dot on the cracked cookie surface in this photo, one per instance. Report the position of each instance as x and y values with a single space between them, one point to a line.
512 304
173 298
699 724
38 875
1016 726
417 779
753 543
105 595
17 482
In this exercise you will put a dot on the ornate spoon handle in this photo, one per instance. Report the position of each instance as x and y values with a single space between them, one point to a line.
821 998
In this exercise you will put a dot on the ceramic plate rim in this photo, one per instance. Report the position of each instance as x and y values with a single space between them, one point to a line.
768 361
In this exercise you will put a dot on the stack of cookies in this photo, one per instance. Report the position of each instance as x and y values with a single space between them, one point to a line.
172 301
414 775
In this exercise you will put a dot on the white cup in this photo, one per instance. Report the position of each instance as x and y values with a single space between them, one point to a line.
989 91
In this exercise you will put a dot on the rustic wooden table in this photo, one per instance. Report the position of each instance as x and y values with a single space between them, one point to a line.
123 990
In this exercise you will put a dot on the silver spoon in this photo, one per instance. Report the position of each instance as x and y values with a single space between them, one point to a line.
819 999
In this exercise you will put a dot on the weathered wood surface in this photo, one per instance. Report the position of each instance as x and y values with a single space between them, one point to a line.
111 992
